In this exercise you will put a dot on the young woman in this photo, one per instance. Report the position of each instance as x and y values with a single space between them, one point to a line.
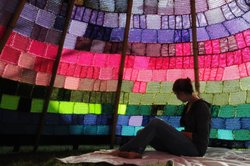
193 141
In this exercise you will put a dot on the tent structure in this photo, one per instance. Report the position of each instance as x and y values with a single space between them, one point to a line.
75 71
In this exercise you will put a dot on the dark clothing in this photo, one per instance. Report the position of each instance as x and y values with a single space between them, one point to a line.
197 121
164 137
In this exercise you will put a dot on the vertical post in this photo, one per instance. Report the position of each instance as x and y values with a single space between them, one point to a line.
121 69
11 24
195 47
53 76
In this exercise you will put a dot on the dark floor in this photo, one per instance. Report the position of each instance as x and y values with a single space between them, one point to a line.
45 155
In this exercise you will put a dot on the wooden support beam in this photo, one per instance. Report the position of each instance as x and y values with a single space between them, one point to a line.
53 76
11 25
195 47
121 70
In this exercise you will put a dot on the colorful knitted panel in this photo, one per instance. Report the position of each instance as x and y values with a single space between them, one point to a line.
159 51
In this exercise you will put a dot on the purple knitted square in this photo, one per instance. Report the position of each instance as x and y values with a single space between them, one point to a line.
217 31
135 35
236 25
149 36
136 20
135 121
29 12
79 13
93 17
117 34
86 15
24 26
165 36
202 34
164 22
100 18
143 21
45 19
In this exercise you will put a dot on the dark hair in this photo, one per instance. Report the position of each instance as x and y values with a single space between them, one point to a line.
183 85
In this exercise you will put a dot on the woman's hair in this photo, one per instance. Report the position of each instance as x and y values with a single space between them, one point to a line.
183 85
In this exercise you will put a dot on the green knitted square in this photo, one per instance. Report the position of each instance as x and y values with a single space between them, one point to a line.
92 108
145 109
215 110
121 99
160 98
172 99
9 102
131 109
76 96
111 97
213 133
243 110
53 106
147 99
107 109
127 86
245 83
202 86
213 87
207 97
221 99
236 98
135 98
231 86
122 109
241 135
98 109
227 111
166 87
81 108
170 110
153 87
66 107
248 96
126 98
86 97
104 98
37 105
54 94
95 97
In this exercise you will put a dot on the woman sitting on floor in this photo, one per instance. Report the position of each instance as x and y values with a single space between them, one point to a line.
193 141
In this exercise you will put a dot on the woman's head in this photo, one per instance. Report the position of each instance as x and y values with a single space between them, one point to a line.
183 88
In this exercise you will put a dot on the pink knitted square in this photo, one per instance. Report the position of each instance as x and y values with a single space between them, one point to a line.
10 55
159 75
145 75
44 79
85 58
59 81
51 51
71 83
28 76
27 60
21 42
37 48
12 72
141 62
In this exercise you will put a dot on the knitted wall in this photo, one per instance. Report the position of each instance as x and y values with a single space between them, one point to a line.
159 51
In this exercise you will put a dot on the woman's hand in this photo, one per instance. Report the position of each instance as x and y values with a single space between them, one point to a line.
187 134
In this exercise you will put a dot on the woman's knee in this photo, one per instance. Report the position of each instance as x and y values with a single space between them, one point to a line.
155 122
139 131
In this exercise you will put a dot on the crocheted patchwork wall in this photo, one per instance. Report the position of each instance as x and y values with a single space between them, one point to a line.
159 51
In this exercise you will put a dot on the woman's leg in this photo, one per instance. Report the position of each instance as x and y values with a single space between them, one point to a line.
162 137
